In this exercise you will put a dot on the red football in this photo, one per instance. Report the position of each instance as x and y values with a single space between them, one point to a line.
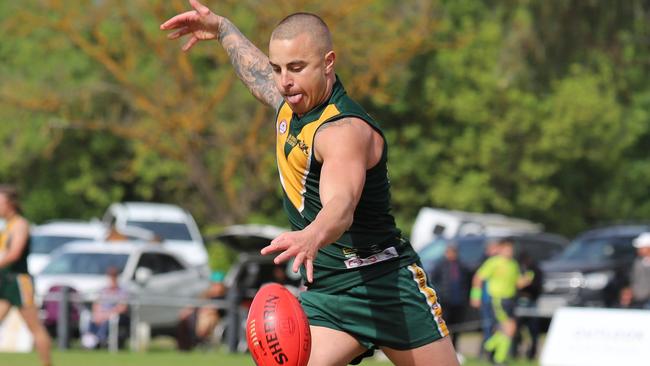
277 329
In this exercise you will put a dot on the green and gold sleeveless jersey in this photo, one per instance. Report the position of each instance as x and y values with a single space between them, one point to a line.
19 266
373 245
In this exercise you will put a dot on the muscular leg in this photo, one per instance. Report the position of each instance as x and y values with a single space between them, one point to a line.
438 353
41 338
5 306
331 347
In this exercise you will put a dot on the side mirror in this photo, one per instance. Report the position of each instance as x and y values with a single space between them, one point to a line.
142 275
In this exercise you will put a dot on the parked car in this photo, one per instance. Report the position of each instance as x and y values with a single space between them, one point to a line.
249 273
540 246
53 234
156 279
592 270
173 225
436 223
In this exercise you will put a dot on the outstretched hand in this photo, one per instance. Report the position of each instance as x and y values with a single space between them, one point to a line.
296 244
201 23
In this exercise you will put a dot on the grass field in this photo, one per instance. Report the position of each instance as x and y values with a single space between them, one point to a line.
163 358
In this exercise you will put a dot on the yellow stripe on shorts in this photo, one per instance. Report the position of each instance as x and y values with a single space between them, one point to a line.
420 277
26 289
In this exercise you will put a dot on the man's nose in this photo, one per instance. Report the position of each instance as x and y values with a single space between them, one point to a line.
286 80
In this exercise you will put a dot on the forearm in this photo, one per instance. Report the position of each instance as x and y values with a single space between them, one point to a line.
251 64
332 221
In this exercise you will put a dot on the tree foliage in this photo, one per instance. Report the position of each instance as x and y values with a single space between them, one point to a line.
530 108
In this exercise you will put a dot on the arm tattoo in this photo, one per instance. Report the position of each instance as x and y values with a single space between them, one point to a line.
338 122
251 65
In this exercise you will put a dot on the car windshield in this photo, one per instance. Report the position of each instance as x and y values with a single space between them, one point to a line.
166 230
470 250
85 263
43 244
598 249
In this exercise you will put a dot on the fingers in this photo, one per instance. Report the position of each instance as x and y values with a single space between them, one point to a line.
178 21
200 8
309 266
179 33
297 262
191 42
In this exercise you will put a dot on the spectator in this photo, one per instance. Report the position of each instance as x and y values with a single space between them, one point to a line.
197 324
527 299
502 275
640 276
488 322
452 280
112 301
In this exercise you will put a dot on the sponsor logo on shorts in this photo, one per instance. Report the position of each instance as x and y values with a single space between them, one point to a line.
386 254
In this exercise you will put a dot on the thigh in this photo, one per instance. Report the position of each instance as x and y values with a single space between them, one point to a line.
331 347
5 306
439 353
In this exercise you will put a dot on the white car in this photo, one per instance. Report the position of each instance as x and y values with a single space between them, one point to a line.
173 225
49 236
159 283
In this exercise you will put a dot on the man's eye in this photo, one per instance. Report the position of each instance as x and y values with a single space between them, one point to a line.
296 69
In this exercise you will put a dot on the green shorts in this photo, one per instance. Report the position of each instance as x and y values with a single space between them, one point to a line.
398 310
17 288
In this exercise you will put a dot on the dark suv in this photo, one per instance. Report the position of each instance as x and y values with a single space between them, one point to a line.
592 270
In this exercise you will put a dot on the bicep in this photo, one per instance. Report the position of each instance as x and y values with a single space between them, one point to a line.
343 149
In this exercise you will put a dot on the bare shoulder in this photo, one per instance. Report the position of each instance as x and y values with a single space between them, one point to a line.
348 135
344 124
21 224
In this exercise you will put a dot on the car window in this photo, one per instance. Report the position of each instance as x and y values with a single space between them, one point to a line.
85 263
538 250
166 230
599 249
43 244
159 263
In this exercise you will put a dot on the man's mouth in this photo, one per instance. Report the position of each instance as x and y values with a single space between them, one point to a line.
294 98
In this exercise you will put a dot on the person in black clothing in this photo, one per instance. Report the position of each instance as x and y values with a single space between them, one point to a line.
527 299
452 280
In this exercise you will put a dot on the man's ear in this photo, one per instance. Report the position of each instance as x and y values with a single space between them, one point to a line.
330 59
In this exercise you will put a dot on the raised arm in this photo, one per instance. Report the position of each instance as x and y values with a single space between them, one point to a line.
251 64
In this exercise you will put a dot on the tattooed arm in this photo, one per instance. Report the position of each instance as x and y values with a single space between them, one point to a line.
251 64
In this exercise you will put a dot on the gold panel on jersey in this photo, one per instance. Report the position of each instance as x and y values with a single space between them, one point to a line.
294 167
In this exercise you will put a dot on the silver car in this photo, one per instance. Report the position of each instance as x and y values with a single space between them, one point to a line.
158 281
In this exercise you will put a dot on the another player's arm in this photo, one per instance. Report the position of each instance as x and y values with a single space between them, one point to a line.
19 235
475 293
250 64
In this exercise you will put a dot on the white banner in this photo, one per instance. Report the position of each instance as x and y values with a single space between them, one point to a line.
594 337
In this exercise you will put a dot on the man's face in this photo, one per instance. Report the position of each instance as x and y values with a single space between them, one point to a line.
300 72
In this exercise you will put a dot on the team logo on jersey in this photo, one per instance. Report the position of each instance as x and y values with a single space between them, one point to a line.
282 127
303 147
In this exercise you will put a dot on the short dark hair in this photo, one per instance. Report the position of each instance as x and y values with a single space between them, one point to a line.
11 192
298 23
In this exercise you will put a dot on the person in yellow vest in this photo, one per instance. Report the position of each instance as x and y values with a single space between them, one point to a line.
16 285
502 276
366 288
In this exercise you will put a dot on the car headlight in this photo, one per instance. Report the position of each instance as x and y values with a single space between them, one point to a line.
597 280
